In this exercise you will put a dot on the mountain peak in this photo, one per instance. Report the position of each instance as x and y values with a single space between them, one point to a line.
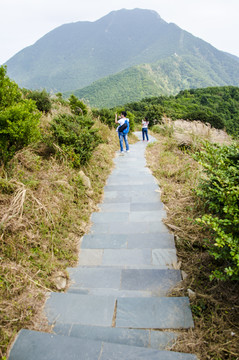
75 55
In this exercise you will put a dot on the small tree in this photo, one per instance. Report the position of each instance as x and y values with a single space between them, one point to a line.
42 99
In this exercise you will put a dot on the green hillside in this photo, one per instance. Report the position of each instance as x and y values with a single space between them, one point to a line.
165 77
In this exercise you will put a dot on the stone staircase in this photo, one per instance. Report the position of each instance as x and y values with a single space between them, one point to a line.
117 305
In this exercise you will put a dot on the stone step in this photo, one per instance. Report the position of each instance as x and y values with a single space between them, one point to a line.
135 258
128 217
163 240
127 227
153 339
140 312
149 196
44 346
121 282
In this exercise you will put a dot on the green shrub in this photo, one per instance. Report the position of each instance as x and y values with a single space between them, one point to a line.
19 126
76 137
77 106
106 116
42 99
220 194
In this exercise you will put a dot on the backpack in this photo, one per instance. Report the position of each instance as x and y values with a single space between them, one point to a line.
126 130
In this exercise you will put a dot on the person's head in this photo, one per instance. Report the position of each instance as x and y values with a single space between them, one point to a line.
146 119
124 113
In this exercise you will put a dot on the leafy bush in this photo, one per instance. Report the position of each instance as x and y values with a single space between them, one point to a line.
19 119
77 106
76 137
220 193
42 99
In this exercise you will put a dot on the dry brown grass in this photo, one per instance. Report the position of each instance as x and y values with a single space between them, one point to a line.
215 305
191 133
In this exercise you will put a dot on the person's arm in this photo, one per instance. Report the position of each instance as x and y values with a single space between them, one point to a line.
116 118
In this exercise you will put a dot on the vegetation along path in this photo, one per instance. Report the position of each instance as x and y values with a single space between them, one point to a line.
117 305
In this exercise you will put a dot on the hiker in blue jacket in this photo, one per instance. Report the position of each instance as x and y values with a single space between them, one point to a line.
122 130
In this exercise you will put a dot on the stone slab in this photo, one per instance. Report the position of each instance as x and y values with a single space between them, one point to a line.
104 241
153 241
124 352
126 188
95 278
127 257
80 309
117 293
164 257
90 257
154 313
146 206
159 340
155 280
147 216
131 197
112 207
113 335
35 345
105 217
44 346
128 228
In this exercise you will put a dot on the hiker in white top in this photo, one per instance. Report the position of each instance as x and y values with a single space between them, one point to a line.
122 132
145 124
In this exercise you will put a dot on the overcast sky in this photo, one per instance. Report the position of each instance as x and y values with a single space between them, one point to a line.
23 22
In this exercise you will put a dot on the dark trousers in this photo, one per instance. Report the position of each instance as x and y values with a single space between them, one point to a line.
145 133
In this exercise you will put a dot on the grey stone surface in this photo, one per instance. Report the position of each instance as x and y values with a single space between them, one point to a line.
132 337
31 345
131 197
162 340
43 346
127 257
146 206
147 216
116 352
80 309
104 241
158 281
126 188
90 257
153 241
154 313
105 217
164 257
95 278
159 340
128 228
112 207
117 293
